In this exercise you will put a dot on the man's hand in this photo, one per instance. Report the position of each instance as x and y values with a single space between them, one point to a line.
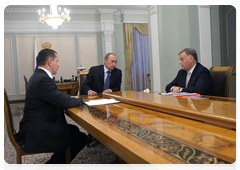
92 93
106 91
176 89
74 96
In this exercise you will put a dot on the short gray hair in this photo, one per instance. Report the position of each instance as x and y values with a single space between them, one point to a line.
190 51
107 55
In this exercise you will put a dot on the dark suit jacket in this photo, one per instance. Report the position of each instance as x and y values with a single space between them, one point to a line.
200 81
95 80
43 127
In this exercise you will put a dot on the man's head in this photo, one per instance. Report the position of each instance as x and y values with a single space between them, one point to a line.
110 61
188 58
48 59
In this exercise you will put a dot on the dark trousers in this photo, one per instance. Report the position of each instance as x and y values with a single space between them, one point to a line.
77 142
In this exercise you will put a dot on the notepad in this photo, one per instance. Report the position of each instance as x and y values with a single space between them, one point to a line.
101 102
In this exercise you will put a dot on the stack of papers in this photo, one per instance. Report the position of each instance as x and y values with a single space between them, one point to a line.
180 94
101 102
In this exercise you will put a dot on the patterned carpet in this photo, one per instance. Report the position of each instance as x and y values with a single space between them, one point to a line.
96 153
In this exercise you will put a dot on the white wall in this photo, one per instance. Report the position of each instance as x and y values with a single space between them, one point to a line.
77 42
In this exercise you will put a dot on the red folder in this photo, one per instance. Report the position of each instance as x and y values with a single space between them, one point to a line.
188 95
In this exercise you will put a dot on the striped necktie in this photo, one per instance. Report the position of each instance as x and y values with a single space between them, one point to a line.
188 77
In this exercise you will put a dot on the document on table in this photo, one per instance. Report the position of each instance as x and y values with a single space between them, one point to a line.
185 95
180 94
101 102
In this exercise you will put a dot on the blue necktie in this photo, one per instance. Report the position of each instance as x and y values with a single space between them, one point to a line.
107 82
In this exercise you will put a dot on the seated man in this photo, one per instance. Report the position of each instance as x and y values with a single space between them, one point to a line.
43 127
193 77
103 78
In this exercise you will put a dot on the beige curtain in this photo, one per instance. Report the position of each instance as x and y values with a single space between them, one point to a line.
128 32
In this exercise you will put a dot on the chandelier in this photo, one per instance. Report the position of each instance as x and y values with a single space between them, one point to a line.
55 18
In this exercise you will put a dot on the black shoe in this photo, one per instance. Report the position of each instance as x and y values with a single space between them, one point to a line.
47 166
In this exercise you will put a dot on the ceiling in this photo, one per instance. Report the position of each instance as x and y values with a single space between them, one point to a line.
93 7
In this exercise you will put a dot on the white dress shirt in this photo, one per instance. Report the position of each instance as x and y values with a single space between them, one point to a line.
191 71
48 72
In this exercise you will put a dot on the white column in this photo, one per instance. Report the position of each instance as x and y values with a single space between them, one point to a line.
205 36
155 48
107 29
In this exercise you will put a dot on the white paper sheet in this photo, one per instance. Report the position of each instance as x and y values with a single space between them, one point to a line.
101 102
177 94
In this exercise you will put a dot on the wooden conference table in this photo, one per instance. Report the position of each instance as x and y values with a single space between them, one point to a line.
156 129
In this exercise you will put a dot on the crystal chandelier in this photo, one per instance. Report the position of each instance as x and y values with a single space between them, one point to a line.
55 18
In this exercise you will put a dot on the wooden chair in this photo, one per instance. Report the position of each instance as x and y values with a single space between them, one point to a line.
12 133
25 80
82 75
221 77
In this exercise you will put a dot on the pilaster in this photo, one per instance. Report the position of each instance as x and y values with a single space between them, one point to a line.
156 85
107 28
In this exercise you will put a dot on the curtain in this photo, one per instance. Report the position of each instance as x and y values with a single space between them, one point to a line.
140 64
128 32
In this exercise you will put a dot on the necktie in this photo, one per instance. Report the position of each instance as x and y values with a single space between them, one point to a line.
107 82
188 77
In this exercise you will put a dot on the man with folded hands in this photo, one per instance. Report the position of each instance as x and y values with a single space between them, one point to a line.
193 77
103 78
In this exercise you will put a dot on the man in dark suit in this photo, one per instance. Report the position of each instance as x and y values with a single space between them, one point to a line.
97 79
43 127
193 77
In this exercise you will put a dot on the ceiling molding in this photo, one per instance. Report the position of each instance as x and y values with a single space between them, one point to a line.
83 11
21 10
72 26
35 10
107 11
134 11
35 26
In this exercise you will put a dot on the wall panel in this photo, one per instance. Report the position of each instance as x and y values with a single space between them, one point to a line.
25 57
8 67
88 51
63 45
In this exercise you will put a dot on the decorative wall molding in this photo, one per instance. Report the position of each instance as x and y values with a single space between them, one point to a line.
132 12
107 26
72 26
107 29
152 9
108 35
83 11
107 11
34 10
35 26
